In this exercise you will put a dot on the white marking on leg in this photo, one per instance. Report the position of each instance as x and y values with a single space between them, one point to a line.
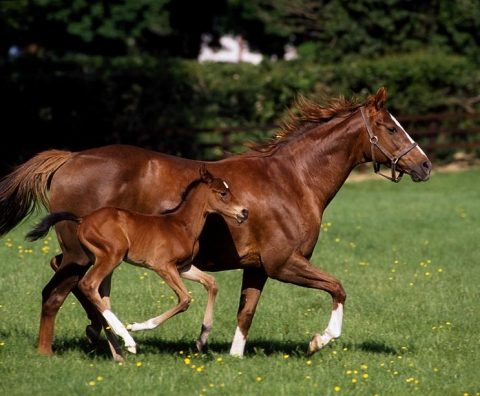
334 327
120 330
238 343
333 330
147 325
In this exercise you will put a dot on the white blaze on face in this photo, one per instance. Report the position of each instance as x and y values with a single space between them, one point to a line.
406 134
225 184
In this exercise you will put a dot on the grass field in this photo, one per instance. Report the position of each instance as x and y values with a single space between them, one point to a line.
407 254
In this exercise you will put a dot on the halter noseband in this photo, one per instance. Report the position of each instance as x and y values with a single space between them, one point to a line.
393 158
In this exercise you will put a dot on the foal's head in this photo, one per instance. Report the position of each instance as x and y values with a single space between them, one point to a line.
220 199
390 144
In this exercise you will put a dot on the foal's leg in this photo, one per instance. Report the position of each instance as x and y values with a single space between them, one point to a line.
97 321
172 278
210 285
299 271
90 285
252 285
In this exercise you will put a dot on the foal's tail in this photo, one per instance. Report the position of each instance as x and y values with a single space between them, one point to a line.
42 228
22 190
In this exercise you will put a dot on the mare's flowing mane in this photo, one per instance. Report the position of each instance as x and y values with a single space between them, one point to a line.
303 115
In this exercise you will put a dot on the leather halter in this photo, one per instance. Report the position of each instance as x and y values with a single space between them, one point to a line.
393 158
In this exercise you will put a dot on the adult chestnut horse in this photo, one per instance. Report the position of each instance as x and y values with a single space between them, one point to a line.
286 184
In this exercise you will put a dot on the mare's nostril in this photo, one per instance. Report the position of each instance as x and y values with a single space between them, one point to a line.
245 213
427 165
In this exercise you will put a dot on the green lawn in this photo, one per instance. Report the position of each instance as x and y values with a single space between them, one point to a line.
407 255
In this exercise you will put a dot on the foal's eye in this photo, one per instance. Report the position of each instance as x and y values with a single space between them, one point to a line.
223 194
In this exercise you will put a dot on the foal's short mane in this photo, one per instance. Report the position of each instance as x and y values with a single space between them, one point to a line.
183 196
305 114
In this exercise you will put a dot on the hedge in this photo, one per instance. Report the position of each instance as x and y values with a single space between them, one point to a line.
79 101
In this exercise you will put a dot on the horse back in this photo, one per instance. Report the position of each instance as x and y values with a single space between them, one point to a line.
122 176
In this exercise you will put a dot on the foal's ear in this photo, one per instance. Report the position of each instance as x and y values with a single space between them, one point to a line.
380 98
206 176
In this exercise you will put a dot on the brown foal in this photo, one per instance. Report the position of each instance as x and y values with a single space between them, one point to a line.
166 244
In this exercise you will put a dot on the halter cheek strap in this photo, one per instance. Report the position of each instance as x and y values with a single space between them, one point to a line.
374 143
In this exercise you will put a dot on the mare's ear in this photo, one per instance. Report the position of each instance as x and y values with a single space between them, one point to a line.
380 98
206 176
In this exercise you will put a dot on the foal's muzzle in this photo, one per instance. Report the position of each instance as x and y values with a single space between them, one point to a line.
242 216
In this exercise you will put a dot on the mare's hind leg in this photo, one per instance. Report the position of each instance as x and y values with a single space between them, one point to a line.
90 285
53 295
94 329
299 271
172 278
210 285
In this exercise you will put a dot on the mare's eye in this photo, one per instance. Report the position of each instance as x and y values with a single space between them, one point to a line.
392 129
223 194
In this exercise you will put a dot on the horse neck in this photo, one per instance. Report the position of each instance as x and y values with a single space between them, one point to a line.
325 155
192 213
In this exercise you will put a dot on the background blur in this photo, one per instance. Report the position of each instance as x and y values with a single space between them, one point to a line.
198 78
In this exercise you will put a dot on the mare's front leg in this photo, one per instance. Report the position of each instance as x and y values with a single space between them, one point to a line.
97 321
252 285
299 271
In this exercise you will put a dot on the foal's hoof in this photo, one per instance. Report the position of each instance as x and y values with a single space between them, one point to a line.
117 358
93 335
132 349
199 345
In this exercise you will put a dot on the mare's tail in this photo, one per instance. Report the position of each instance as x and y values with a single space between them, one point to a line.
23 189
41 229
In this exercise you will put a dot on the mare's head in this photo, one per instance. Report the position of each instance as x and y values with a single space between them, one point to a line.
220 199
390 144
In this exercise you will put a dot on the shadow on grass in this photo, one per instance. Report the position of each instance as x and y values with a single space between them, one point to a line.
255 347
372 347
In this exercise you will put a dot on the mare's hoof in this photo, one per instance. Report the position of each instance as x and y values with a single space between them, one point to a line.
45 352
316 343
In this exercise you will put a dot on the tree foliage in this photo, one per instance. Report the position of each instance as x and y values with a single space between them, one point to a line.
324 30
